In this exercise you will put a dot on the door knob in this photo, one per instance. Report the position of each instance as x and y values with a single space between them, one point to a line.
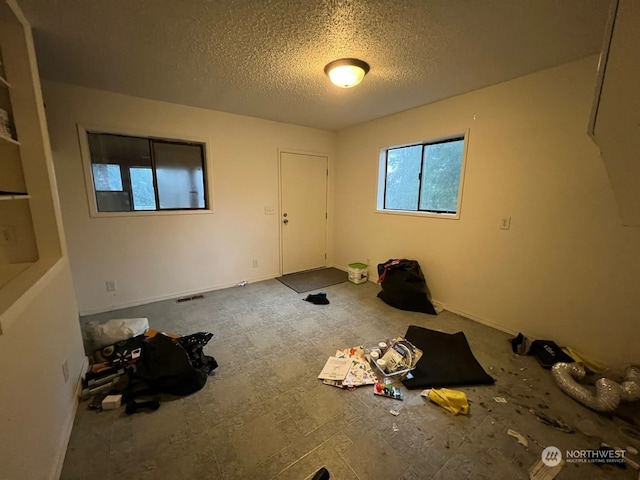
285 221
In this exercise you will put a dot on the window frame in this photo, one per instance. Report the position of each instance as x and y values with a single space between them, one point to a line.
84 130
382 177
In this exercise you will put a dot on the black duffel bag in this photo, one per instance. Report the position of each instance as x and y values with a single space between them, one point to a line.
404 286
175 366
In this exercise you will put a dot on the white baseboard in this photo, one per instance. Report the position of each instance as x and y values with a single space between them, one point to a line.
170 296
475 318
67 427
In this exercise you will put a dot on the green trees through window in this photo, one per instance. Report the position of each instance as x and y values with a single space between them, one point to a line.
424 177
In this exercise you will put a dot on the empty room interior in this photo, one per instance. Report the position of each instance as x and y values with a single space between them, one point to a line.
180 161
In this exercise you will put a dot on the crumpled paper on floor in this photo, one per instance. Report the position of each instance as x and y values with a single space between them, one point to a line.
454 401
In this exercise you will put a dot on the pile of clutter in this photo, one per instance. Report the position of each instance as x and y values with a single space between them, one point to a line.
132 365
353 367
604 396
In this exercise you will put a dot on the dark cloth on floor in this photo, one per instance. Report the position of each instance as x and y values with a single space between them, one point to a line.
319 298
446 361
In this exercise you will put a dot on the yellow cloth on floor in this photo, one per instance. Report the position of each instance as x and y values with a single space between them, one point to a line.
453 400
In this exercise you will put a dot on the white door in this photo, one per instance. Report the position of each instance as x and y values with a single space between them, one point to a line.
303 213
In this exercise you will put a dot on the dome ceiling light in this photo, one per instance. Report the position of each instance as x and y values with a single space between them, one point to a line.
346 72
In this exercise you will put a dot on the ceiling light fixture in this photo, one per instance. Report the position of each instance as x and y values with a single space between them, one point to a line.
346 72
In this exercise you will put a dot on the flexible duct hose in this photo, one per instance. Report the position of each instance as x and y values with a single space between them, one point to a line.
631 385
608 392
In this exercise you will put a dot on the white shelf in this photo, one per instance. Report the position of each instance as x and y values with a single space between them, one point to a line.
14 197
3 81
8 140
9 271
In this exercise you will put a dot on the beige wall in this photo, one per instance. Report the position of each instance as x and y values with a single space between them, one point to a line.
156 257
566 270
37 405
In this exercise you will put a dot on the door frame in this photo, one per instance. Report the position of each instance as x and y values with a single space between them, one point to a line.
326 229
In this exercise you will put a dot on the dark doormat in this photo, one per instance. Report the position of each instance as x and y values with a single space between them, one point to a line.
313 279
447 361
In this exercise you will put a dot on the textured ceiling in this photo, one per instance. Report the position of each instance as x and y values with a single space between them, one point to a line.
265 58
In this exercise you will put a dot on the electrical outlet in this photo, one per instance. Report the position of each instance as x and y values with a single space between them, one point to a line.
269 210
255 263
65 371
111 285
505 223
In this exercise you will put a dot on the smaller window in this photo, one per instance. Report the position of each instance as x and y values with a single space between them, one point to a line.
132 174
425 177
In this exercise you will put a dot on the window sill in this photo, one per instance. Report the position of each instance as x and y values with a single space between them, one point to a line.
445 216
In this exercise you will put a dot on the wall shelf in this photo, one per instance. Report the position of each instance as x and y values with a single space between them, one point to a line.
14 197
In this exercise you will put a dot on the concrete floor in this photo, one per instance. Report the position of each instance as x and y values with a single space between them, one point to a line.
265 415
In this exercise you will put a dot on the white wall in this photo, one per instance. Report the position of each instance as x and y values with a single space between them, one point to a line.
566 270
155 257
36 405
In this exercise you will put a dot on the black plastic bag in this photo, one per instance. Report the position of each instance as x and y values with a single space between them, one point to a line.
175 366
404 286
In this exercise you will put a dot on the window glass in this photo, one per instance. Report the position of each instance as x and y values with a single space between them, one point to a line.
403 170
422 178
137 173
142 188
441 176
107 177
180 175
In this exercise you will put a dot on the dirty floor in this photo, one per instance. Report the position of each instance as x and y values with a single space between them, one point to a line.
265 415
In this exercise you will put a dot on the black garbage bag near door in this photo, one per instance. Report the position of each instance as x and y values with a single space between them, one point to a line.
175 366
404 286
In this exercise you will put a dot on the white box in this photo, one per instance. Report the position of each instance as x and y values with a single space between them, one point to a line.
358 273
111 402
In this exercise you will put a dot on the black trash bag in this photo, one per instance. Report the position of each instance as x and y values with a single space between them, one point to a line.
175 366
404 286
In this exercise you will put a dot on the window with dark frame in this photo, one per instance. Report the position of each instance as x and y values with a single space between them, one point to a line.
424 177
132 174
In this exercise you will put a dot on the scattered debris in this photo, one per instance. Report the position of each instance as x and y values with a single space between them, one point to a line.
395 428
387 391
540 471
588 428
446 444
630 432
555 423
243 283
520 438
500 399
395 413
